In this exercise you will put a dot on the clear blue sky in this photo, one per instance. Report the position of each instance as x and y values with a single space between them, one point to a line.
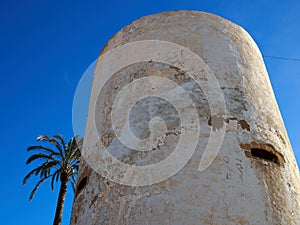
45 47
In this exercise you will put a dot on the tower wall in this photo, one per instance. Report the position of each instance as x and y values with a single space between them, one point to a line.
254 178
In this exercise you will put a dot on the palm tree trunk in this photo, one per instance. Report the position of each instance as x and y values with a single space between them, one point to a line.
64 179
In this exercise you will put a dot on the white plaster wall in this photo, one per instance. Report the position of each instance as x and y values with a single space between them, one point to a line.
234 189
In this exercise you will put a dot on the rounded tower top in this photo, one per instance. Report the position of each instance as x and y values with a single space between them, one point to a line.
183 128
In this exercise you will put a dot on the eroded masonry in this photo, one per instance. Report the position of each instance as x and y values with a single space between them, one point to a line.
253 176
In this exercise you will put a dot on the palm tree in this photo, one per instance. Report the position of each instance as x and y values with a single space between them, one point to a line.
59 162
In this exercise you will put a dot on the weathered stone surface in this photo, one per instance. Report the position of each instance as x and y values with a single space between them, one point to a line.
239 187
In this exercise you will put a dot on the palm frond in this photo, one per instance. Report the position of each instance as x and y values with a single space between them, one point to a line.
43 149
62 141
63 160
32 172
51 140
55 176
47 166
73 183
70 147
37 186
39 156
75 154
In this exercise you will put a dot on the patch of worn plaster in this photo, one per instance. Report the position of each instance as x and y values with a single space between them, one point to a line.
232 123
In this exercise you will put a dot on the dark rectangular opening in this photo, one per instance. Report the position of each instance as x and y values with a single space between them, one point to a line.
264 154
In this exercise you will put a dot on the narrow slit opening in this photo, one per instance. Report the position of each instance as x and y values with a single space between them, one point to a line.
264 154
81 185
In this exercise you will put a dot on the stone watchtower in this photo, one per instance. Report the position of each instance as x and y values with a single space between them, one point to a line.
202 140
